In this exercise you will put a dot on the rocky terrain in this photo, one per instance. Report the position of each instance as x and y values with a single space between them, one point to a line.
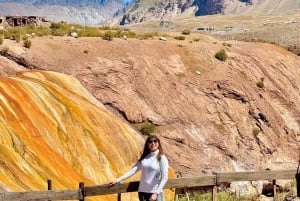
52 128
241 114
156 10
211 115
80 12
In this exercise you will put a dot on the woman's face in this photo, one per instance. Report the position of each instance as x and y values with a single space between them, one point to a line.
153 144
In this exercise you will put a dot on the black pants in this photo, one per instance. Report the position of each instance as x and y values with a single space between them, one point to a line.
146 196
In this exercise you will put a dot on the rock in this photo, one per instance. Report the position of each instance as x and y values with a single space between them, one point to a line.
74 34
162 38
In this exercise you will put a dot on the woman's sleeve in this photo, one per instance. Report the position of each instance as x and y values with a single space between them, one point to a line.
164 173
132 171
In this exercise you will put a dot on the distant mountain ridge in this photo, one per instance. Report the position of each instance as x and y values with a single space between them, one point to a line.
72 2
63 2
86 12
155 10
121 12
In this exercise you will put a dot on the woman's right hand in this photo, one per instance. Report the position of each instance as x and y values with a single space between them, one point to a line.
110 184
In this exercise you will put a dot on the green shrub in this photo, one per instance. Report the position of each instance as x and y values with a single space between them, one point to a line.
261 83
147 128
5 49
36 30
255 131
179 37
59 32
130 34
27 43
25 37
108 35
88 32
16 37
1 40
147 35
60 29
220 196
244 74
56 25
221 55
227 44
105 28
186 32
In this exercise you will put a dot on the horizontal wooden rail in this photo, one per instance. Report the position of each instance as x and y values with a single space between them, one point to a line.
255 176
41 195
133 186
185 182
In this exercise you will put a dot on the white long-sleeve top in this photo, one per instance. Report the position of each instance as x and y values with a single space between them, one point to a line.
154 173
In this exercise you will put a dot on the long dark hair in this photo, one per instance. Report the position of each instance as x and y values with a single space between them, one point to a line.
146 150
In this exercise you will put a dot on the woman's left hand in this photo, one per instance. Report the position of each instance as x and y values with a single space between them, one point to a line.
153 197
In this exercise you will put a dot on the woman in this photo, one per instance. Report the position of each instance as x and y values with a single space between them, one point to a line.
154 165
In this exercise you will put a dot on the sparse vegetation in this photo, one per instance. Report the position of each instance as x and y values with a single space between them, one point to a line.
180 74
179 37
5 49
186 32
148 35
64 29
255 131
221 55
244 74
232 197
261 83
86 51
108 35
227 44
16 37
147 128
87 32
220 196
25 37
27 43
1 40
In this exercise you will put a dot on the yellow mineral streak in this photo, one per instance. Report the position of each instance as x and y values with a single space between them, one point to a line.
52 128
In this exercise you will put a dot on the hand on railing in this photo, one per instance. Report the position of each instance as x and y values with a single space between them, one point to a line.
112 183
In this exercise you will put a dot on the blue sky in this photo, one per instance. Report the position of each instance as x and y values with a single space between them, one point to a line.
126 1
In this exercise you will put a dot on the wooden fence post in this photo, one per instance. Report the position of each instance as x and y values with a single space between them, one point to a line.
81 188
119 197
215 188
214 193
49 185
274 189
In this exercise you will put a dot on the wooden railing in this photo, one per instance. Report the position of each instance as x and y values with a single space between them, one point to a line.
184 182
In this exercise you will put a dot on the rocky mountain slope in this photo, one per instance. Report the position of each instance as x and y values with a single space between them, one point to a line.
155 10
98 12
211 115
80 12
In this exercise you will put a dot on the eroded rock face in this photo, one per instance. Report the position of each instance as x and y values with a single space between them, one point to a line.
52 128
154 10
211 115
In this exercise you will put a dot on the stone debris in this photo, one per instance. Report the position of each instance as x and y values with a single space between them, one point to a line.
15 21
